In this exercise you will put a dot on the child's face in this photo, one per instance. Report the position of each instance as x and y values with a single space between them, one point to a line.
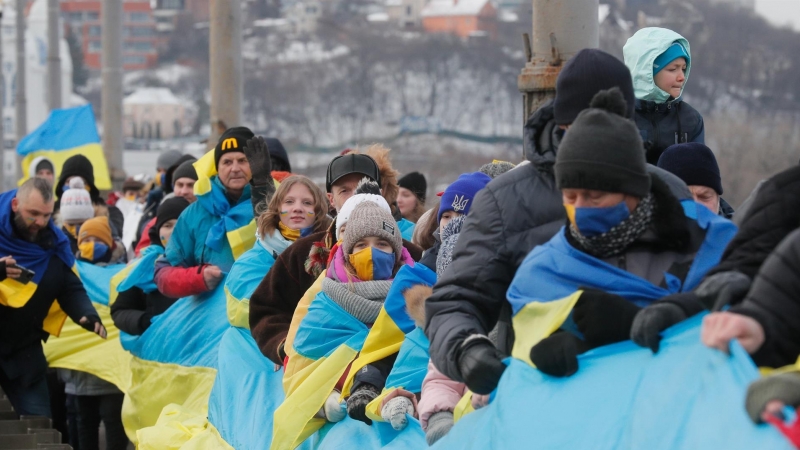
671 78
297 208
373 241
446 218
165 232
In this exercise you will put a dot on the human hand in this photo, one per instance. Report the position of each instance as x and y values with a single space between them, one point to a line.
395 410
212 276
479 401
723 288
92 323
768 396
721 327
480 365
333 409
257 154
9 268
652 320
557 355
603 318
358 401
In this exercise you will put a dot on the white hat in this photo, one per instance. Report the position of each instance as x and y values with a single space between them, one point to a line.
76 204
344 215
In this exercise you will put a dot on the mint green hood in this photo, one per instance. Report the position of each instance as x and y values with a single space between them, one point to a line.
641 51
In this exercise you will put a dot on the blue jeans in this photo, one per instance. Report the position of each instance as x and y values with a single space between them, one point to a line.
27 398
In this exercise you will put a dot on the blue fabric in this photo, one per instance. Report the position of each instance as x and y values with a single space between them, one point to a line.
565 268
187 334
411 365
97 280
406 229
674 52
27 254
352 434
248 271
325 327
142 275
595 221
65 129
395 304
187 246
624 397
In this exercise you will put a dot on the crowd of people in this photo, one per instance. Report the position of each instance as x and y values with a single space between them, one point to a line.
377 302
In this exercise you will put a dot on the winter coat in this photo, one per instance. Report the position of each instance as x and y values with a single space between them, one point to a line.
439 393
662 120
133 309
772 215
510 216
273 303
774 301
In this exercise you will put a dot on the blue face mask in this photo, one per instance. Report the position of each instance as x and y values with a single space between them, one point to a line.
595 221
163 179
372 264
93 251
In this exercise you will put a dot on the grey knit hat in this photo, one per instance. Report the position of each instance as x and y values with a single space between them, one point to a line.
603 150
369 219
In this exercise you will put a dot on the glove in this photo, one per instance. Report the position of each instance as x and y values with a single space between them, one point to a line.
358 401
603 318
651 321
723 288
557 355
784 387
395 410
438 426
91 319
3 275
145 320
257 155
333 409
479 364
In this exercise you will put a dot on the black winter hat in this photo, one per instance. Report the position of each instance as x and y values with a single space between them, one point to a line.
584 75
278 152
185 170
169 209
232 140
694 163
415 182
603 150
351 163
169 178
77 166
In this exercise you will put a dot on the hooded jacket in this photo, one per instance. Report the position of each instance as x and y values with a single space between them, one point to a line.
661 119
510 216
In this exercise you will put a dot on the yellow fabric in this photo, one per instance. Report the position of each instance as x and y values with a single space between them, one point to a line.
384 339
294 420
206 168
79 349
785 369
155 385
570 213
55 320
15 294
242 239
238 310
363 264
92 151
463 407
180 428
288 233
299 313
536 321
374 407
117 279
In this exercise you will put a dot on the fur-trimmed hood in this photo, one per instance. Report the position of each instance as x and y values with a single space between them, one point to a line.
389 187
415 302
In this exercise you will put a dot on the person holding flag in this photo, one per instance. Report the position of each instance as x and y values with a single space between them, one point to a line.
29 313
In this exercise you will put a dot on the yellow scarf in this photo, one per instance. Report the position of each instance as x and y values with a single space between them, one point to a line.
288 233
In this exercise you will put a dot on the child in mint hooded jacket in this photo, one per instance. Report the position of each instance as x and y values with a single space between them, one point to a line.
660 60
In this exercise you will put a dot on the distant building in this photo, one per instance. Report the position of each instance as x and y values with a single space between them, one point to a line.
302 15
405 13
139 32
153 113
166 12
745 4
463 18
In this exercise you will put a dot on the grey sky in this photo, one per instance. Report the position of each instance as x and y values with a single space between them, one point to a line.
780 12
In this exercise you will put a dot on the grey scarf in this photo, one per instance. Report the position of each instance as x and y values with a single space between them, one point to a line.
618 239
361 300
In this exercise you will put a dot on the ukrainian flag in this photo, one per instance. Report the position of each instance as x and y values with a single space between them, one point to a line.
65 133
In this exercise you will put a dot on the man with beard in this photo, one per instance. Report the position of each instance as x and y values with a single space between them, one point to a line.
36 270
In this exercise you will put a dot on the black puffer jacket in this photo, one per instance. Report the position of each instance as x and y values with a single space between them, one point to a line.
773 214
133 309
774 301
514 213
665 124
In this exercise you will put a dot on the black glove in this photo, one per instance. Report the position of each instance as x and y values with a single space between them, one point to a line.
3 274
145 320
358 401
651 321
557 355
603 318
91 319
257 155
723 288
479 364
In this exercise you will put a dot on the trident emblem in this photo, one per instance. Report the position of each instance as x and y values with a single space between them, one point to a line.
460 203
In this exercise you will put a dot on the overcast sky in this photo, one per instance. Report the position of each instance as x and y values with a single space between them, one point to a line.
780 12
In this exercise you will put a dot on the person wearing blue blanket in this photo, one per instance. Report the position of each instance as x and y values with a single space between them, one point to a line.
139 299
29 237
628 241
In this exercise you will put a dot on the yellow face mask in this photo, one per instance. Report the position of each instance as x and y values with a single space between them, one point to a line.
372 264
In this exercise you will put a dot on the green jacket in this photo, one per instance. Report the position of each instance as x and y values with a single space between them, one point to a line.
640 53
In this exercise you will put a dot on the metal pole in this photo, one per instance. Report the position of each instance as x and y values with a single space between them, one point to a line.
20 98
6 184
560 29
225 43
53 56
112 89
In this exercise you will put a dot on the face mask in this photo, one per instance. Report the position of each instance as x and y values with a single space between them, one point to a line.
162 180
93 251
595 221
372 264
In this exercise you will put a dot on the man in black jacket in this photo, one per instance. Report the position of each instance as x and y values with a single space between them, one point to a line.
29 237
514 213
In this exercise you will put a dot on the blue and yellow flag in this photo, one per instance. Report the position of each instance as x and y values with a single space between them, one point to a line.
65 133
